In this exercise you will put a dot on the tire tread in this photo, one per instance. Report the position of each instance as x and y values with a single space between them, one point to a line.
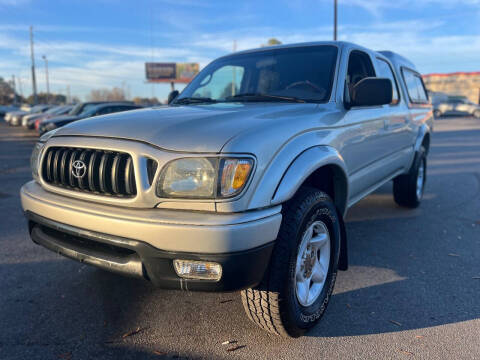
263 304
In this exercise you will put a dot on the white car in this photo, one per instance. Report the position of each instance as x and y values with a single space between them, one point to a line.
457 106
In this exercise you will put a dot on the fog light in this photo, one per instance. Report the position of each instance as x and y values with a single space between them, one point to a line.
203 270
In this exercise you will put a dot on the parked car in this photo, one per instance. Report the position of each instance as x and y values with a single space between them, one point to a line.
4 109
30 121
457 106
243 181
89 111
16 118
30 118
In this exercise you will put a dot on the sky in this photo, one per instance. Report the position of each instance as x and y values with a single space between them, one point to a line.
105 43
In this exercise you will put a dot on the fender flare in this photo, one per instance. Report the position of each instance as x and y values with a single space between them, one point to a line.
423 131
305 165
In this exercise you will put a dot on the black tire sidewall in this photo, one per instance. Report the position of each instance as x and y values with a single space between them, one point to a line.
304 317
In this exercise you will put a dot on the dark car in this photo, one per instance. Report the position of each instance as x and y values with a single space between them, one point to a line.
90 110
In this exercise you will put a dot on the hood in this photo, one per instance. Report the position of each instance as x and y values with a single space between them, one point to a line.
63 118
193 128
18 113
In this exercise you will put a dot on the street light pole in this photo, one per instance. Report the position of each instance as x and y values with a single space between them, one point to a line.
34 82
46 76
335 20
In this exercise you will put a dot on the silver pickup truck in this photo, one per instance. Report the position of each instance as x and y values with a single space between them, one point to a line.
242 182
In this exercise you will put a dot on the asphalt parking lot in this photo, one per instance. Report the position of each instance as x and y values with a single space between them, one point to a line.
412 290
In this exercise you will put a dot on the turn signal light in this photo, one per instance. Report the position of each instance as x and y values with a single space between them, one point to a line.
202 270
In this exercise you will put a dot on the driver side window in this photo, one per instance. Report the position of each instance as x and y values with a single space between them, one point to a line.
359 67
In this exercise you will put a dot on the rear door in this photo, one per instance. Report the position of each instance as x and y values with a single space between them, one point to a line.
418 102
400 136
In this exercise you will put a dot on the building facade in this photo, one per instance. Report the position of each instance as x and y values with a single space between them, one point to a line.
460 83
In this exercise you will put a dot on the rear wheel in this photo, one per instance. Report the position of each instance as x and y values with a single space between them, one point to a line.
300 279
437 114
476 113
408 189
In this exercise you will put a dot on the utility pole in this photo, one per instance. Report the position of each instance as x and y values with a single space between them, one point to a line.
335 20
34 81
14 89
46 75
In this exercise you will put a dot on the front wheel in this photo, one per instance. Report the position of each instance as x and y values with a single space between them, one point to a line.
299 281
408 189
476 114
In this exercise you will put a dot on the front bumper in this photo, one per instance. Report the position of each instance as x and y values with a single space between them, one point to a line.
144 242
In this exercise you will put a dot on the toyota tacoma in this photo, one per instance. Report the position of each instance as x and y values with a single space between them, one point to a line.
243 180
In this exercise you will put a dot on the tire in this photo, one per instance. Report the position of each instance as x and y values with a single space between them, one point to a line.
408 188
275 304
437 114
476 114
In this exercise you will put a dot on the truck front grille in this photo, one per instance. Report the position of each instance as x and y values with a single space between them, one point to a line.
89 170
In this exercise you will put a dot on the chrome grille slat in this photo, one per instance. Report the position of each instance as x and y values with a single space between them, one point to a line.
49 166
101 173
63 167
58 153
129 177
106 172
115 167
91 167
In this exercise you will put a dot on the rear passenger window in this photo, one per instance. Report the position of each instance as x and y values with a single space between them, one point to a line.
385 71
415 88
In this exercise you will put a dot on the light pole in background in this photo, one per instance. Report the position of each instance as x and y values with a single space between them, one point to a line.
34 81
46 76
334 20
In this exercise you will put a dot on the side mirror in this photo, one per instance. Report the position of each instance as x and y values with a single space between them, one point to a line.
371 91
173 94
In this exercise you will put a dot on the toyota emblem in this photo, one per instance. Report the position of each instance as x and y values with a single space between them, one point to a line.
79 169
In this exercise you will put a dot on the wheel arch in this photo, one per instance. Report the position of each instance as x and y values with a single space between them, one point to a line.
423 138
321 167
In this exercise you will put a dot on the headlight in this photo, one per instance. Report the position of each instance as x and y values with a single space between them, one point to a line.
206 178
35 159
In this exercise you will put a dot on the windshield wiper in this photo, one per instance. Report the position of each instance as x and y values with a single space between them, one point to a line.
193 100
263 97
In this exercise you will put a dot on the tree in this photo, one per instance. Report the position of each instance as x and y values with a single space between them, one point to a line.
52 99
145 101
272 42
7 95
114 94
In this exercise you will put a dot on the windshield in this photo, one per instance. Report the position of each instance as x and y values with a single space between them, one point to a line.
76 109
36 108
296 73
88 109
54 110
